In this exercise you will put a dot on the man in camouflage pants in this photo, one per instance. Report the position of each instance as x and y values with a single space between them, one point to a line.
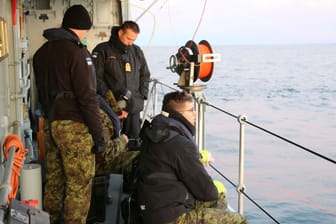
66 85
114 159
74 132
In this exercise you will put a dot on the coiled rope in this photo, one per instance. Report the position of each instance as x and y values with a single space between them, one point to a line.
20 152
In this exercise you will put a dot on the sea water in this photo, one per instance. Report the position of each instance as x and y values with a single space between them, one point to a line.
289 90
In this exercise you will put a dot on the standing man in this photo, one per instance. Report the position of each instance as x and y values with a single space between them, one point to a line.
123 77
173 185
66 83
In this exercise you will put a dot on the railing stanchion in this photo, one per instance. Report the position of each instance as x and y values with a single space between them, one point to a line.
155 111
152 94
241 186
200 120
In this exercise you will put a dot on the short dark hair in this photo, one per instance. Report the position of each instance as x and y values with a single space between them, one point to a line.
176 98
130 25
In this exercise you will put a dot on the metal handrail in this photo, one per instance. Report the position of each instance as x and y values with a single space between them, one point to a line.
5 187
200 101
200 134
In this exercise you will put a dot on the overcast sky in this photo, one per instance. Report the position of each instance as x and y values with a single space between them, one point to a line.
172 22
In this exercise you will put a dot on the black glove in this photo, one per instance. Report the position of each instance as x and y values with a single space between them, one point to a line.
99 146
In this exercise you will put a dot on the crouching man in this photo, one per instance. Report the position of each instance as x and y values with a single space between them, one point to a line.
173 184
116 158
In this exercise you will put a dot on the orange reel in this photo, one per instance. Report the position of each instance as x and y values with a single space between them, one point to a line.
201 55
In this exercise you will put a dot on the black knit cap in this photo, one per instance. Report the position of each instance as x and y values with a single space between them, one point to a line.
77 17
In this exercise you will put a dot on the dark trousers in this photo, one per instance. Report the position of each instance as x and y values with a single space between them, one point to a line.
131 126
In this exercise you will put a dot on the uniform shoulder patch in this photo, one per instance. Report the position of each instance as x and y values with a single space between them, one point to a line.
88 60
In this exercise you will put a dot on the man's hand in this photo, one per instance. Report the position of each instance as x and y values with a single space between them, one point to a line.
125 137
123 114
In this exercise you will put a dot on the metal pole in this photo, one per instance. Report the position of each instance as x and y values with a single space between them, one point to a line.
155 97
5 187
241 187
200 124
152 94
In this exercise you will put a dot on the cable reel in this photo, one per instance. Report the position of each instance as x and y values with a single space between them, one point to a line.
193 61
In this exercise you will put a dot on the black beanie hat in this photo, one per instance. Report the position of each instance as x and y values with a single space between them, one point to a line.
77 17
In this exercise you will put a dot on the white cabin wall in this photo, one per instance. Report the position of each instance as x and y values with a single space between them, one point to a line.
16 69
13 111
4 91
104 13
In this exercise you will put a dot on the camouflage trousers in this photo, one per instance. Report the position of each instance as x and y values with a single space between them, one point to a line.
70 164
213 212
70 167
116 158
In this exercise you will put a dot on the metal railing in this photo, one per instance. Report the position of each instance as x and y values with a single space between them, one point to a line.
200 104
5 186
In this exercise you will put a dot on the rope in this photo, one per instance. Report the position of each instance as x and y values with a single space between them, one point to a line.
154 22
9 142
200 20
276 135
246 195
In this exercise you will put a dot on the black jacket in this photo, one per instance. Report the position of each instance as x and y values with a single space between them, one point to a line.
64 65
171 176
109 59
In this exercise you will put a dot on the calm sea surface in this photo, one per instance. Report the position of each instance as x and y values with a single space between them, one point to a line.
288 90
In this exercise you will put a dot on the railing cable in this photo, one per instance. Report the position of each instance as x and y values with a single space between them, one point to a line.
276 135
246 195
260 128
168 86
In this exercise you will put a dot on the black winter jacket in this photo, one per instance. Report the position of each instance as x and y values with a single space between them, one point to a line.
109 59
171 176
64 65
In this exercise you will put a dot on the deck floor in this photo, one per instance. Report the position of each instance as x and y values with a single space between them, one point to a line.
112 207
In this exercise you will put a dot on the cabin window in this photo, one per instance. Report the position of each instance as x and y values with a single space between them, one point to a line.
3 39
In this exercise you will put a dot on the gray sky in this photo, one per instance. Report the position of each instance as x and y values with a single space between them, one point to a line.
172 22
